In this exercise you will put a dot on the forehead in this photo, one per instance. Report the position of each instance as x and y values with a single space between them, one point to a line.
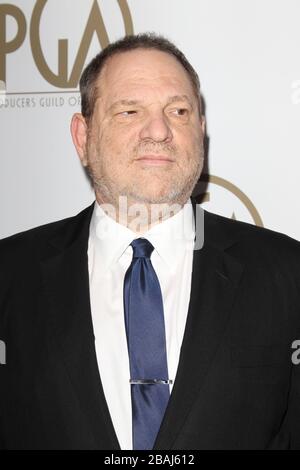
143 70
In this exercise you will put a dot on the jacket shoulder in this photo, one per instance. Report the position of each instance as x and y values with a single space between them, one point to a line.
263 251
218 227
16 243
25 246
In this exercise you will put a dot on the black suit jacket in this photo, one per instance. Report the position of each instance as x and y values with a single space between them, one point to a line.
236 386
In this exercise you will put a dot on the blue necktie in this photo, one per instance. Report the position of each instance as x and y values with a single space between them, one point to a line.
145 329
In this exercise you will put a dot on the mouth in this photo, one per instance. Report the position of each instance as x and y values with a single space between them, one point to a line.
156 160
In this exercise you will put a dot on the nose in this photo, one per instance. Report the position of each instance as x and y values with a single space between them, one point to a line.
156 128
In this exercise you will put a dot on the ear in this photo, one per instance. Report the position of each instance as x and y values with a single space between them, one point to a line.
79 136
203 123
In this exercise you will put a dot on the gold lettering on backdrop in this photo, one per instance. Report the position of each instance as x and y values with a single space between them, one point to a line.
95 24
6 47
61 79
126 16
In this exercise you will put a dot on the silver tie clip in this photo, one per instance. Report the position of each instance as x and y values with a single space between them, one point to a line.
150 381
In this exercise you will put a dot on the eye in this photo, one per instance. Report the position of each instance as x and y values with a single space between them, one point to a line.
128 112
181 111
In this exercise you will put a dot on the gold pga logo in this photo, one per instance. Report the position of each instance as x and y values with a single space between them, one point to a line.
220 195
61 79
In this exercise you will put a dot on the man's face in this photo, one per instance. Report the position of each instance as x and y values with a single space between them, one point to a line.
145 138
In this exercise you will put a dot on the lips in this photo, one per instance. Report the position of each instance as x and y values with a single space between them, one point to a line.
155 159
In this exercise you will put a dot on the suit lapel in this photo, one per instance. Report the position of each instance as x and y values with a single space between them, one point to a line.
70 329
215 278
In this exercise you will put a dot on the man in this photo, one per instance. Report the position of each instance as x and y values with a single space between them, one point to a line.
121 329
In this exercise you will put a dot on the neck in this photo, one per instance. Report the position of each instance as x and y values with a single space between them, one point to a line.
138 216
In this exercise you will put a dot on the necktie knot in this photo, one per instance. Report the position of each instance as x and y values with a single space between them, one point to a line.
142 248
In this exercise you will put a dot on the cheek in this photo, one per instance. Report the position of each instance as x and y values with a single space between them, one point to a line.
115 157
118 145
189 145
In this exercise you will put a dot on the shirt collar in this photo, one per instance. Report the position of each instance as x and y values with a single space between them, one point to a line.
170 238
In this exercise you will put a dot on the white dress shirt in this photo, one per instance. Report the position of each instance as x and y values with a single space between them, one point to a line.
109 256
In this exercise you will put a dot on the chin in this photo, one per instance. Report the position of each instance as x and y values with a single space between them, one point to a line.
156 197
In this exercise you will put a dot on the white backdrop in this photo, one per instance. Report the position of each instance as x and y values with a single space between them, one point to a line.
247 55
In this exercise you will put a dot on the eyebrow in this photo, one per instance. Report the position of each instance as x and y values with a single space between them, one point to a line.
124 103
171 99
175 98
